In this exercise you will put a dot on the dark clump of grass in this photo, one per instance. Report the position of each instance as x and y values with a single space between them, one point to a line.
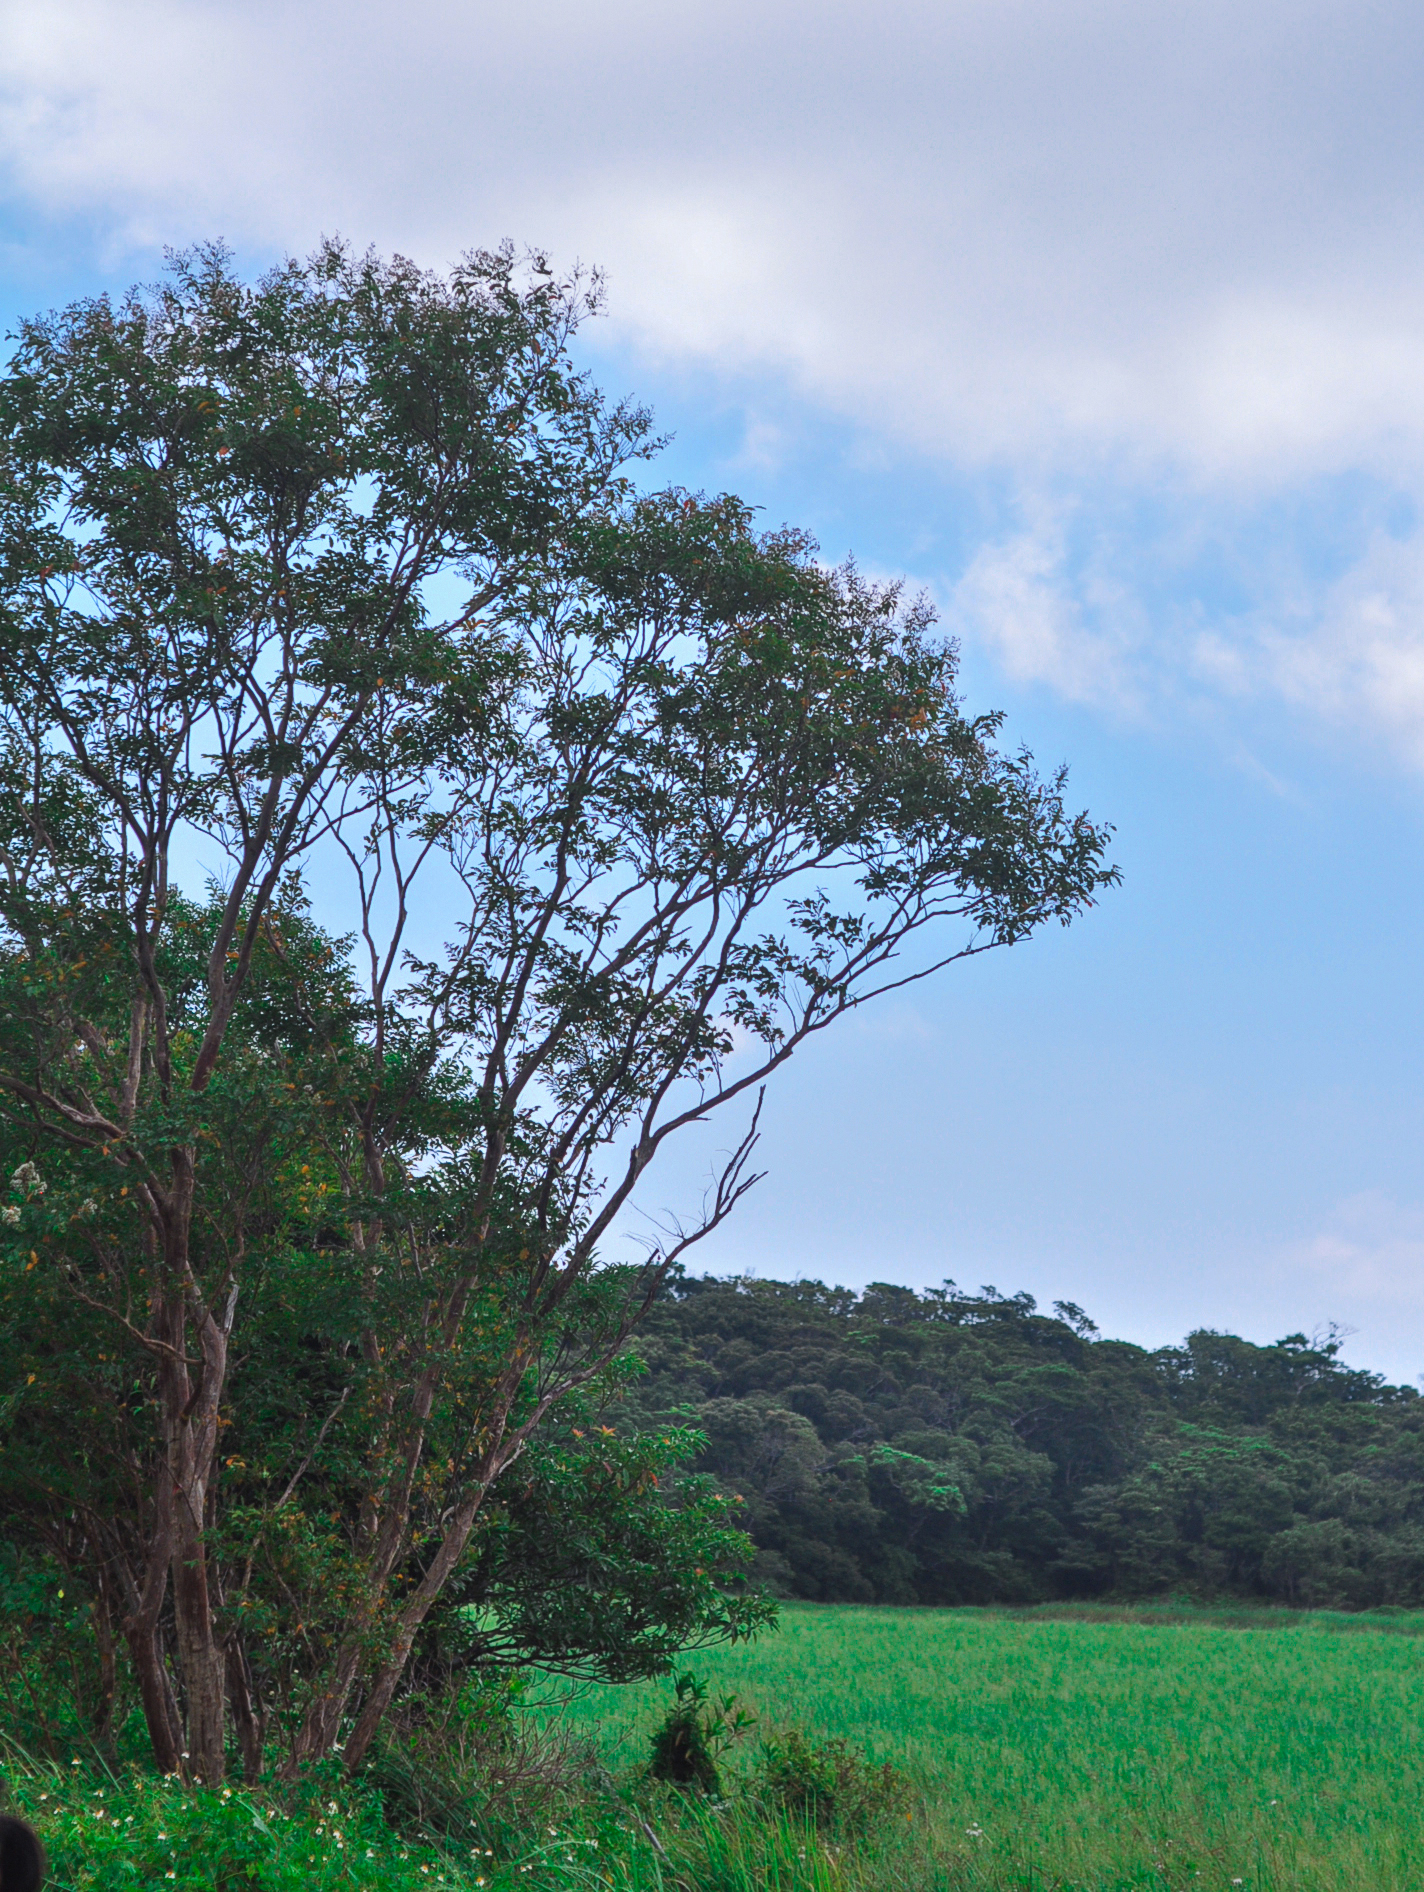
469 1772
693 1735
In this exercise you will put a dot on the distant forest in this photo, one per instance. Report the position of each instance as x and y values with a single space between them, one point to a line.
946 1447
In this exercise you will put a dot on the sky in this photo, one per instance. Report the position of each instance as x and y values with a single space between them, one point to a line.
1103 324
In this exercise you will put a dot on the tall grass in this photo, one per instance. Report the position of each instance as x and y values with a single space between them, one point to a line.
1104 1752
1101 1755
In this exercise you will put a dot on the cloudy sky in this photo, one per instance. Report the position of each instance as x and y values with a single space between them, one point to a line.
1104 323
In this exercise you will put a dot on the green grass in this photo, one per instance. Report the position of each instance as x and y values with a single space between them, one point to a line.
1099 1750
1061 1750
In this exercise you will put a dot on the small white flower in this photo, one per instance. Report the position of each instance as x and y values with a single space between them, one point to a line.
28 1178
10 1215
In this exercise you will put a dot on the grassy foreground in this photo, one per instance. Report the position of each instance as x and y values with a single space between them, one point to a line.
1107 1750
1077 1751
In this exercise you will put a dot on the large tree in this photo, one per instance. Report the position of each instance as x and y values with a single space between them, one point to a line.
600 1558
341 575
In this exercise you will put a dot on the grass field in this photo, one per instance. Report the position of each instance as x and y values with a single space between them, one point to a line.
1102 1750
1078 1750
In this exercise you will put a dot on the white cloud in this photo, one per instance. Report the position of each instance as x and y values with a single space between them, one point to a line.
1061 602
997 229
1082 638
1370 1255
1104 246
1348 653
1361 663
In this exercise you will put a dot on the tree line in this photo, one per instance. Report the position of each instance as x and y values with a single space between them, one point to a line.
947 1447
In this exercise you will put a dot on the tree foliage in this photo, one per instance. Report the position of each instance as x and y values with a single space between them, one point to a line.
340 579
949 1447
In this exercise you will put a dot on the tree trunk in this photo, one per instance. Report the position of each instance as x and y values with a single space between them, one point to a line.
322 1723
387 1677
104 1645
191 1415
140 1628
250 1730
385 1519
160 1711
199 1659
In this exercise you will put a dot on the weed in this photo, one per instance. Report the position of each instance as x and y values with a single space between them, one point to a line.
694 1734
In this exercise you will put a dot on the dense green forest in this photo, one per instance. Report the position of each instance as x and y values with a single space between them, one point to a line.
955 1448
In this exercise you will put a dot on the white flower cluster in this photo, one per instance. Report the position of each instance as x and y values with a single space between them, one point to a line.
28 1180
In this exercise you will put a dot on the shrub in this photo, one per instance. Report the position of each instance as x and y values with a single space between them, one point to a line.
828 1783
464 1768
694 1734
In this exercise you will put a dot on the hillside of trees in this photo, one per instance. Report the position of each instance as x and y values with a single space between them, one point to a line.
947 1447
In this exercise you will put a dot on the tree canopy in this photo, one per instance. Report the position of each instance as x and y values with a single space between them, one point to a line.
340 581
952 1447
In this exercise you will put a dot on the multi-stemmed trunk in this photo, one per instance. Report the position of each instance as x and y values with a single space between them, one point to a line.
319 1732
387 1532
177 1556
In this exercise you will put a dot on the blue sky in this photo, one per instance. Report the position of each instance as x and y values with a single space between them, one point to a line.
1102 322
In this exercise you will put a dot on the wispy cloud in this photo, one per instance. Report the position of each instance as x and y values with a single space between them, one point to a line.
1080 634
1370 1254
1360 662
1132 622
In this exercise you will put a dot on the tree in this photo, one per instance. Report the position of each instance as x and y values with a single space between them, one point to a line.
582 1569
342 572
944 1447
600 1559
